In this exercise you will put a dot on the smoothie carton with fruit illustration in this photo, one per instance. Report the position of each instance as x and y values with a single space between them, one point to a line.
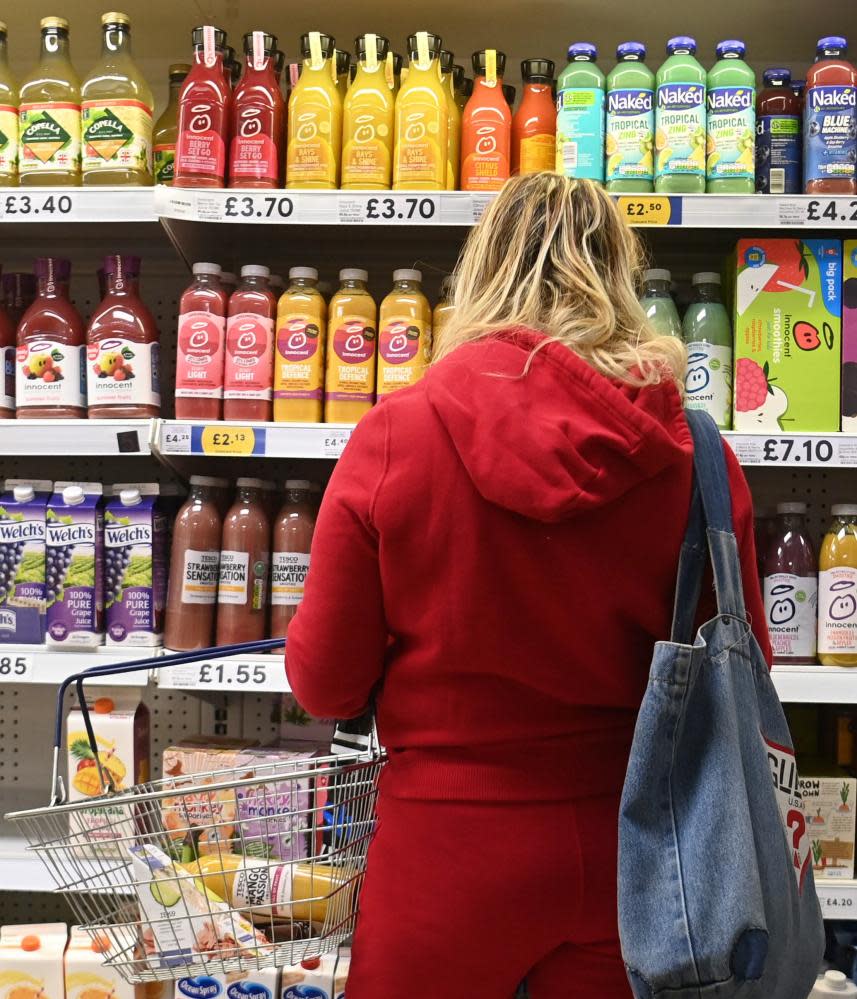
849 336
31 961
122 737
22 561
788 303
134 566
831 808
74 589
86 974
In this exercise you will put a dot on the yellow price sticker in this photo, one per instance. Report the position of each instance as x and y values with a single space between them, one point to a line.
228 440
642 209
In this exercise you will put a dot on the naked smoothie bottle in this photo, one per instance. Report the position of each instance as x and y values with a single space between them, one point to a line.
830 112
790 585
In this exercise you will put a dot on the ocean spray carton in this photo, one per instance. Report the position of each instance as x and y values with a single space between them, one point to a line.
75 539
849 336
788 301
263 983
22 561
134 566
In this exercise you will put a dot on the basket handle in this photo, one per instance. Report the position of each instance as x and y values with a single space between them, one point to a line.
58 790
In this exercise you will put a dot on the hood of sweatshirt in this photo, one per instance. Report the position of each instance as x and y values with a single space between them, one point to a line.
557 438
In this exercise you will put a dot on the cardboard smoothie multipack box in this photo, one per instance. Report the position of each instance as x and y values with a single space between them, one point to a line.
22 547
829 805
788 337
849 336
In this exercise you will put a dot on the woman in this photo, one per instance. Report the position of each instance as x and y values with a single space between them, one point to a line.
495 558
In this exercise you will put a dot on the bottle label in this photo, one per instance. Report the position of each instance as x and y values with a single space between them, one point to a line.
731 140
123 373
630 140
418 158
538 153
50 373
288 575
165 163
680 129
253 153
233 578
791 608
486 166
309 151
8 139
265 886
404 348
199 576
7 386
830 133
248 371
49 137
199 359
351 371
708 381
299 365
200 148
778 154
580 133
367 133
116 134
837 610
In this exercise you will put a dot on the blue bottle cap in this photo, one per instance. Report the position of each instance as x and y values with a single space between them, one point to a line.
731 46
836 42
583 50
777 75
635 49
681 42
798 86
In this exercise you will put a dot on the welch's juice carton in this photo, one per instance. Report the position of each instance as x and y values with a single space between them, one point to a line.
73 576
22 561
134 566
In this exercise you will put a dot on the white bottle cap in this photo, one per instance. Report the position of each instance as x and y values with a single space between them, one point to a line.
407 275
73 495
208 480
297 484
268 486
657 274
244 483
204 268
706 277
791 507
834 981
130 497
23 494
255 270
353 274
844 510
310 273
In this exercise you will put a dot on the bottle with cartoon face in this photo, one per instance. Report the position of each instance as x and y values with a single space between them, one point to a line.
707 332
837 589
790 586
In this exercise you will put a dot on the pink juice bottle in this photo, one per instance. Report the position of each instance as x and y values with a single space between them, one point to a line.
790 586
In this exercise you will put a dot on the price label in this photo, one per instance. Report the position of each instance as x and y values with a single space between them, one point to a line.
25 207
16 668
219 439
227 674
792 450
811 451
176 439
831 900
649 210
258 207
391 209
334 443
830 211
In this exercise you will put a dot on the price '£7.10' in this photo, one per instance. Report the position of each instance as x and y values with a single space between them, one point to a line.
788 450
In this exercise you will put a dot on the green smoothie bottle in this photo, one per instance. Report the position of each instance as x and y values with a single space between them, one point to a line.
731 142
580 115
630 138
708 335
658 303
680 121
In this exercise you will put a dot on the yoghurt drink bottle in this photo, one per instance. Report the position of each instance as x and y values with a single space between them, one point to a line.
680 121
731 122
790 584
292 540
630 129
580 115
245 555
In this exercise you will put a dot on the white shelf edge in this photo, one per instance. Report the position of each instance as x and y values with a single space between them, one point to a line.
51 666
815 684
183 438
44 438
838 899
263 674
57 205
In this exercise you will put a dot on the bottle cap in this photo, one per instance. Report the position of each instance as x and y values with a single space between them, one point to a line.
457 76
478 60
60 267
398 61
255 270
178 69
447 61
382 47
297 484
798 86
466 87
31 942
836 981
308 273
327 42
844 510
731 47
206 268
681 43
631 50
130 497
353 274
838 43
268 485
343 61
103 705
114 17
246 483
705 277
777 76
279 62
197 37
120 262
269 43
538 70
73 495
583 50
3 29
509 93
208 480
59 23
657 274
406 274
435 44
791 507
23 494
311 963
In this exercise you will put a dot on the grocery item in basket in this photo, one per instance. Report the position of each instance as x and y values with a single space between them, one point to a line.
86 974
830 804
260 984
320 977
31 961
22 561
787 334
849 336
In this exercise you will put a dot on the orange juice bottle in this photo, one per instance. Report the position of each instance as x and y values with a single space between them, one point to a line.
837 590
367 122
315 118
486 127
419 162
349 383
299 349
453 120
404 333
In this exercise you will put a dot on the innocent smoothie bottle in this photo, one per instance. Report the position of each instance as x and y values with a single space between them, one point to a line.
731 128
837 589
8 117
630 139
405 333
50 381
167 128
446 63
367 120
204 113
778 135
248 370
299 349
292 540
49 109
421 120
122 349
680 121
200 346
194 569
790 586
580 115
315 118
534 123
245 554
349 382
658 303
707 333
829 132
258 111
117 111
486 127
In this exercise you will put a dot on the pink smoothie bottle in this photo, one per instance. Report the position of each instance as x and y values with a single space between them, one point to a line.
790 586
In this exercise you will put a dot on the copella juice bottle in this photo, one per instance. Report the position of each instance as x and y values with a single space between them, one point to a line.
830 113
421 120
299 348
629 141
257 133
315 118
453 121
167 128
404 333
486 127
790 584
680 135
349 383
8 117
534 123
201 346
837 589
731 122
249 366
367 120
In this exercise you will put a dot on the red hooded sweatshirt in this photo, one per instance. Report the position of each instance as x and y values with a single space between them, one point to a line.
494 561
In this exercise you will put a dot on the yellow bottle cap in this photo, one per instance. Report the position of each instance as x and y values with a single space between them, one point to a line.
178 67
3 28
115 17
54 22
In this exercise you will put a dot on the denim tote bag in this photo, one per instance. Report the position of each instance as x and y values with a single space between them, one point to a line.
716 894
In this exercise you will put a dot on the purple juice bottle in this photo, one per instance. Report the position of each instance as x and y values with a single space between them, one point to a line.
790 584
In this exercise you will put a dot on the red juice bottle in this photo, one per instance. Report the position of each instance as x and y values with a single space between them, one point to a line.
200 346
204 112
258 126
534 123
829 134
249 368
50 380
790 584
7 364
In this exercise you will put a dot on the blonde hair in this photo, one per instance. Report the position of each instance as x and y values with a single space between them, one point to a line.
555 255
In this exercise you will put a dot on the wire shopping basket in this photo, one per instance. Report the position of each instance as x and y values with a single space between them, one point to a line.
229 871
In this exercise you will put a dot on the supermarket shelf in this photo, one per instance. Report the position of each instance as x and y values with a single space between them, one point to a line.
253 674
78 204
44 438
815 684
36 664
260 440
796 450
838 898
